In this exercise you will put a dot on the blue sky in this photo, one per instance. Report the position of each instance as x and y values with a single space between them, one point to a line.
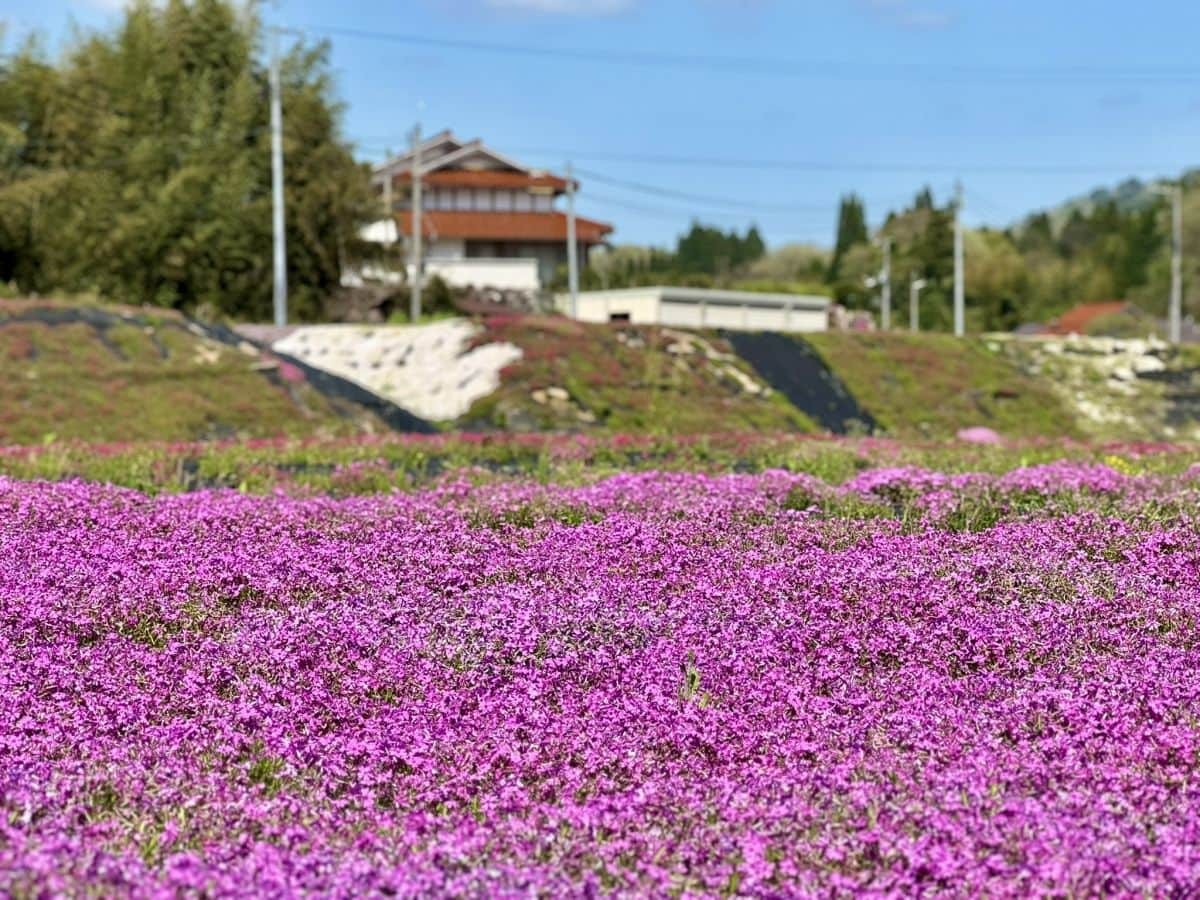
1029 101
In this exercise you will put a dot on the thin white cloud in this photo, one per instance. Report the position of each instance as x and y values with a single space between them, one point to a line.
907 14
563 7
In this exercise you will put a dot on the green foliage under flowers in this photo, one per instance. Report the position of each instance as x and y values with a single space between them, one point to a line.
347 466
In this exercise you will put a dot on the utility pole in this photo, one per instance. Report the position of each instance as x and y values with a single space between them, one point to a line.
1176 311
388 203
914 298
572 246
885 295
959 287
1175 304
277 221
414 308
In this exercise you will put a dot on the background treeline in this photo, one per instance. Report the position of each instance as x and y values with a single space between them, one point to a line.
1108 246
705 256
136 165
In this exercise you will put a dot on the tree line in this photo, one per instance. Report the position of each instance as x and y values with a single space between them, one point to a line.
1113 246
1108 248
136 165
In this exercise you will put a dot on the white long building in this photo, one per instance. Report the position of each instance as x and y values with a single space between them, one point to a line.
685 307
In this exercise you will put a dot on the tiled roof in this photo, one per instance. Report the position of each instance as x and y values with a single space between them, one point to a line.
1077 319
505 226
488 179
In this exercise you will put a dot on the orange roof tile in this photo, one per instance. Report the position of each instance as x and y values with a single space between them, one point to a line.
487 178
1077 319
505 226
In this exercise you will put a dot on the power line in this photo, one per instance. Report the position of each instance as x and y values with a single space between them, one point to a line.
825 69
840 166
835 166
779 211
692 212
697 198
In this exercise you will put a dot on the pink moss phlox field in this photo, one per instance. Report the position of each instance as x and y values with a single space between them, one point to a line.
701 686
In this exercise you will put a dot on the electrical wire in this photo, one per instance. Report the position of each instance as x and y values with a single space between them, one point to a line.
696 198
823 69
841 166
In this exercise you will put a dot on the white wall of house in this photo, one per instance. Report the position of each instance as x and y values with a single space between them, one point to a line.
445 248
503 274
701 308
529 266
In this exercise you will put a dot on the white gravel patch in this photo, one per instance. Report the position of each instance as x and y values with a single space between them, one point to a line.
425 369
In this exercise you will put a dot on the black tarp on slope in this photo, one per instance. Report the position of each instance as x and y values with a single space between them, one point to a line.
791 366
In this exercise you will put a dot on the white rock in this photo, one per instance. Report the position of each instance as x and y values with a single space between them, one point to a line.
427 369
1147 363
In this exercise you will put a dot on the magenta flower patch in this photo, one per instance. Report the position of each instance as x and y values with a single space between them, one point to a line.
655 684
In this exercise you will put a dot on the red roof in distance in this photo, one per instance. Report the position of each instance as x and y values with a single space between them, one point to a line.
1077 319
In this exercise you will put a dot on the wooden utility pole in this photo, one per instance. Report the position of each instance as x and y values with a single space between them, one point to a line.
959 285
280 298
572 246
414 308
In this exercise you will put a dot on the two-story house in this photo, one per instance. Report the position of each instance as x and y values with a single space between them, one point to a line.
486 219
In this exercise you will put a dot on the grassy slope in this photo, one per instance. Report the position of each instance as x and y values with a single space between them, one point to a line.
146 379
933 385
149 378
622 380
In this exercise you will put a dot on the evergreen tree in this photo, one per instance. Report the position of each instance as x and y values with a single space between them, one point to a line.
851 230
752 247
924 199
711 251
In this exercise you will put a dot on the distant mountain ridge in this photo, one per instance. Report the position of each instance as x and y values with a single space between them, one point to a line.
1130 195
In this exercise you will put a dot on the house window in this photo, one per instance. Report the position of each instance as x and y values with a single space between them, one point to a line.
483 198
504 201
543 202
618 317
463 199
524 203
